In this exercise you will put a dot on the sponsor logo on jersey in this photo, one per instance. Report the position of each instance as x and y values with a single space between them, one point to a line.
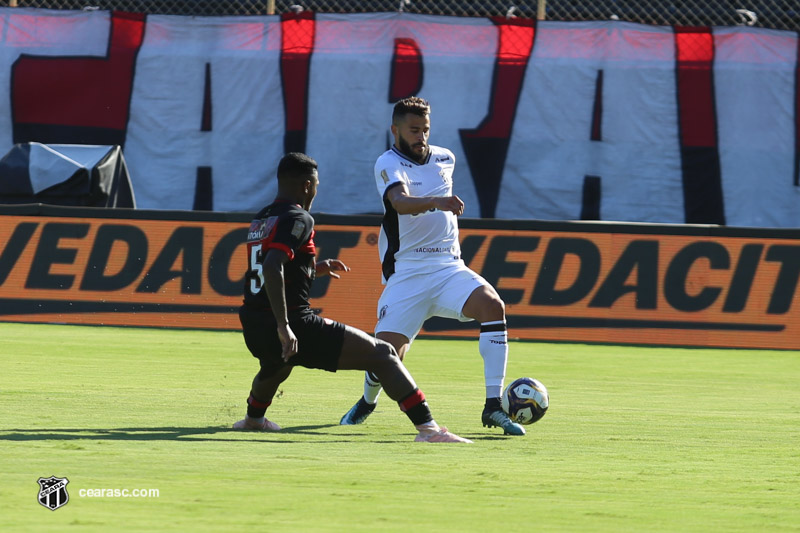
434 250
443 159
409 165
260 228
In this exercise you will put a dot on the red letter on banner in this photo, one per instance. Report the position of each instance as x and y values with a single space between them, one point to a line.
79 100
406 70
702 181
486 147
297 45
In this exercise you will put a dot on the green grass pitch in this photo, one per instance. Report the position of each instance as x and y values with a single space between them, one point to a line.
636 439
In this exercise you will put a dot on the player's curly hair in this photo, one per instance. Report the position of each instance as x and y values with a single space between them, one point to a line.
414 105
296 165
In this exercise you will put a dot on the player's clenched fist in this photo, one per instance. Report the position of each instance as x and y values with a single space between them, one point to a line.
450 203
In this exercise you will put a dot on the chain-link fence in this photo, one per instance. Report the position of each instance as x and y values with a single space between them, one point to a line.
776 14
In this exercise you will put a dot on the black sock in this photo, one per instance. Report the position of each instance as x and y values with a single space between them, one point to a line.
492 404
368 406
416 408
256 409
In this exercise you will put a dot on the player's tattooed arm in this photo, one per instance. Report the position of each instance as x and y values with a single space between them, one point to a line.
405 204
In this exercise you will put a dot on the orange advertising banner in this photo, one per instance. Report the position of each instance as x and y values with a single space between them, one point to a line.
161 273
576 282
586 285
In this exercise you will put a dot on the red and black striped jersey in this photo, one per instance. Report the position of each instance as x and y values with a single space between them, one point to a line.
290 228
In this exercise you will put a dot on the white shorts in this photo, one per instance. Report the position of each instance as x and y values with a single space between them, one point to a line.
410 298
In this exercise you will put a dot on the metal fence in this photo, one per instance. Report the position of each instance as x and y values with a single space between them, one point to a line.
776 14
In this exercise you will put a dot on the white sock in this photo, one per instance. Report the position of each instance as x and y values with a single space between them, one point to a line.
493 345
428 426
372 388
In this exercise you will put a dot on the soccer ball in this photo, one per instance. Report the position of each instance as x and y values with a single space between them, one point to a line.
525 400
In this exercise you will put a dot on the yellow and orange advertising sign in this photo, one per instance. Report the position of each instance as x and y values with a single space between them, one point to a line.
160 273
577 282
642 288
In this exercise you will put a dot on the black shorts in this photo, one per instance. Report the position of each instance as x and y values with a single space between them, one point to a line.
319 339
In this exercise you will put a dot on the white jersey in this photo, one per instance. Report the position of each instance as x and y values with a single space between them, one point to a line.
424 240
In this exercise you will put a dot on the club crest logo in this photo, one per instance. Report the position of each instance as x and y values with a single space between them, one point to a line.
53 492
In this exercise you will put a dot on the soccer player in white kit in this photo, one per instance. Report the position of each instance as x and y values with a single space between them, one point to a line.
421 259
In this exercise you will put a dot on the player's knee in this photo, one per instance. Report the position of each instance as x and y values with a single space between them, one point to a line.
265 373
385 350
385 354
276 371
493 308
498 306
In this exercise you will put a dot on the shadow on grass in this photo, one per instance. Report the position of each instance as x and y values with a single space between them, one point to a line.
186 434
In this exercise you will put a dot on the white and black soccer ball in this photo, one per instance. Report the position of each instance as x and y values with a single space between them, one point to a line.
525 400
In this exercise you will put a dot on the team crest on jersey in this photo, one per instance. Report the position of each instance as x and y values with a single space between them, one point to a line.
445 177
53 492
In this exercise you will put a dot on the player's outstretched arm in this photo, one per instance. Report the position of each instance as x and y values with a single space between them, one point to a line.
405 204
331 267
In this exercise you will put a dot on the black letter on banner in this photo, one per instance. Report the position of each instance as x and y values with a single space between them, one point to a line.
643 256
14 247
592 192
332 242
675 279
186 241
94 278
496 266
203 190
48 253
743 277
545 292
470 246
786 284
220 262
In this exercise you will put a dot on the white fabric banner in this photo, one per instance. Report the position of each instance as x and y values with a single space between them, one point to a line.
44 33
215 102
756 92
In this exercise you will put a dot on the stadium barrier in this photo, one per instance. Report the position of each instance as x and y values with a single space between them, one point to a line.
679 285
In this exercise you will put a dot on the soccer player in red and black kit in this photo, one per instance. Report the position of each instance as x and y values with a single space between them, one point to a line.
280 329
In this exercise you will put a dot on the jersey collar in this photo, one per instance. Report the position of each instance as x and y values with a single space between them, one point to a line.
401 154
286 201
